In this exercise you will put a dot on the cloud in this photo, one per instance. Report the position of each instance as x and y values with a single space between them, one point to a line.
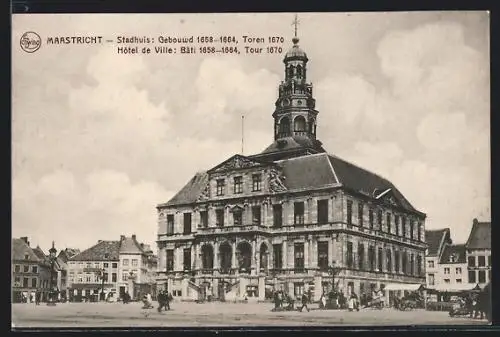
100 138
75 213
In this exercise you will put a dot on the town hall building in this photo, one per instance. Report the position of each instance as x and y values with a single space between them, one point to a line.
292 217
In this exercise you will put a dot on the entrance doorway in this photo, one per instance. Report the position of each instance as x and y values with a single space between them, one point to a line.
122 291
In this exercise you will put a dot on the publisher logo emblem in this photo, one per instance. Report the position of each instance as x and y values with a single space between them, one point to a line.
30 42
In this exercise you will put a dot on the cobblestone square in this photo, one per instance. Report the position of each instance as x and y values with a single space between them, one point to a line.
185 314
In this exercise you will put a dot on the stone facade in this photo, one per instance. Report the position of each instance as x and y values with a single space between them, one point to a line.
291 217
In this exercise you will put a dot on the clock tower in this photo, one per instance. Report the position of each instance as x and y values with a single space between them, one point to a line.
295 113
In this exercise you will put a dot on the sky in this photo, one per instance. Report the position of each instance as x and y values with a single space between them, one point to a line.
99 139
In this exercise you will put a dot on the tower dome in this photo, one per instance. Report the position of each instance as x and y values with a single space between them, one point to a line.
295 53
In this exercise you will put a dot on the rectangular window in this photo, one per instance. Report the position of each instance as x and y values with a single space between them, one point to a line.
472 276
388 255
105 276
396 261
125 262
124 276
219 217
419 265
371 257
114 277
471 261
26 269
403 226
256 215
237 217
256 182
106 265
187 223
34 269
187 259
349 257
489 260
299 257
446 280
481 261
349 212
380 259
412 264
361 256
396 224
379 219
25 282
323 211
238 185
431 280
298 210
458 280
204 219
430 264
360 215
134 262
419 231
277 216
370 218
389 224
405 263
170 259
482 276
446 271
17 268
323 255
170 224
88 279
114 265
458 270
33 282
412 225
298 289
277 256
220 186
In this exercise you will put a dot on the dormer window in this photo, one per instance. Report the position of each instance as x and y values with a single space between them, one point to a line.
26 256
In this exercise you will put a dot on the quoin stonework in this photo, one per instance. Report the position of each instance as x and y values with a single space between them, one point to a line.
292 217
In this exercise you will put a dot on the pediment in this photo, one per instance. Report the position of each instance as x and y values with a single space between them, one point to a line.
236 162
386 196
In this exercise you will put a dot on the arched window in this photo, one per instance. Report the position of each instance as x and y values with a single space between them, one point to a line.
244 255
207 253
290 71
284 127
299 124
299 71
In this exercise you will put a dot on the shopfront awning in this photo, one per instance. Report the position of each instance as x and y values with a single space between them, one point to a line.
458 287
404 286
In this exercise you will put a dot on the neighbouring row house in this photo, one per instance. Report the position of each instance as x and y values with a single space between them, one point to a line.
459 266
31 272
112 268
292 216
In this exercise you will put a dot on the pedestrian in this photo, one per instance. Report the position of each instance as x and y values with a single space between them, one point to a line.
305 299
168 298
161 300
276 300
37 297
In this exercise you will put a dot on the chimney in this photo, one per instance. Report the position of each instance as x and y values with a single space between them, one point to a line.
475 222
25 239
122 237
133 237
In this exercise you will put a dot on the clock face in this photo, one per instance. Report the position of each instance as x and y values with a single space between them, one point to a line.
286 102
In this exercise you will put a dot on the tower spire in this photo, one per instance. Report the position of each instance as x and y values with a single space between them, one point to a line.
295 23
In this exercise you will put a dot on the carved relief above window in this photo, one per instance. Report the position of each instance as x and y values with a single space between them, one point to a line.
276 181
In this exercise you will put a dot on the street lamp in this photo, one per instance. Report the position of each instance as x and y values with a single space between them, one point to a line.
52 260
100 276
334 271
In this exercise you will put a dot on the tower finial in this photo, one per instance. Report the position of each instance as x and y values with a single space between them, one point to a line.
53 244
295 23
